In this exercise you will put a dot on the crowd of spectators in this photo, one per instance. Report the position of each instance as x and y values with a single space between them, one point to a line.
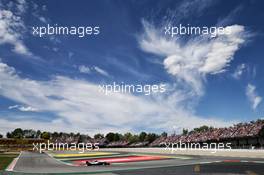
121 143
253 129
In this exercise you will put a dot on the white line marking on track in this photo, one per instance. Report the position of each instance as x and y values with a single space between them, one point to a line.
12 165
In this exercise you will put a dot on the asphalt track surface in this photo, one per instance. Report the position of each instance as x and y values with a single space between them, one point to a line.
36 163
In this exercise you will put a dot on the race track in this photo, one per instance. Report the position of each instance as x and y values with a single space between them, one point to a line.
32 162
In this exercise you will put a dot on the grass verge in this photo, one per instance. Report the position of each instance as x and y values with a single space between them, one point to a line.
6 159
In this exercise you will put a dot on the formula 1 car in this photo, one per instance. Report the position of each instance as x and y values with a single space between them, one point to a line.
96 163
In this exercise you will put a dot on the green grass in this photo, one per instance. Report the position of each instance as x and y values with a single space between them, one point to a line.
5 160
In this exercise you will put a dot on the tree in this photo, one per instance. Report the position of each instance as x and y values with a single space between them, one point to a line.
142 136
130 137
110 137
151 137
203 128
98 136
72 134
1 136
55 135
29 133
184 131
133 139
8 135
38 134
83 138
17 133
45 135
118 137
127 136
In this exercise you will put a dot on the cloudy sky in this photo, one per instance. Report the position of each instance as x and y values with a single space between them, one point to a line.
51 83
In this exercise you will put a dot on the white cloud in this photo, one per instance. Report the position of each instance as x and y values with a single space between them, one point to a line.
94 69
21 6
193 7
11 29
186 9
84 69
252 96
44 8
54 125
100 71
192 60
28 109
80 106
70 54
13 107
239 71
55 49
23 108
12 26
42 19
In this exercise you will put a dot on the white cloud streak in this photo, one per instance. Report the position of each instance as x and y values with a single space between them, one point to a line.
252 96
12 27
23 108
80 106
100 71
191 61
84 69
239 71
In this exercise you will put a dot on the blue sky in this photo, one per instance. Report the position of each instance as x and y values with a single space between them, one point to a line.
51 83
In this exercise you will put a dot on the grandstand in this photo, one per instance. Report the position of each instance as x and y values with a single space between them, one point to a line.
241 136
